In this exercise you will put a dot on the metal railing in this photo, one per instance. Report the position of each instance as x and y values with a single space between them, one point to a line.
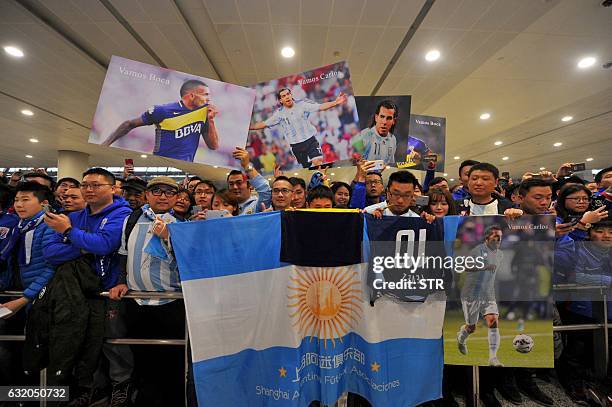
600 363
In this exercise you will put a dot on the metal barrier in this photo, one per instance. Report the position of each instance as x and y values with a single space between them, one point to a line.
600 364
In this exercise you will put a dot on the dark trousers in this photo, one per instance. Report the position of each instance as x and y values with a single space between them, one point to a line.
159 370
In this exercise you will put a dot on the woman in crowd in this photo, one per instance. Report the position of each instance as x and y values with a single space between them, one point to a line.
222 200
441 203
572 207
342 194
184 202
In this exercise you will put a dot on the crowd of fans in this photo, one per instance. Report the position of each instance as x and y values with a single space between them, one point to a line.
63 242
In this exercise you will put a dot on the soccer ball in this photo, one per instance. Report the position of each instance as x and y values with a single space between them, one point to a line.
523 343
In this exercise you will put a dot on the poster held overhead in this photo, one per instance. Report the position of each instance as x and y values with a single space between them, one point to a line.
425 142
172 114
303 120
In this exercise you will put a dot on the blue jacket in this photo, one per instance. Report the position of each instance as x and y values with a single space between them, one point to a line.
7 223
99 234
36 271
593 267
359 198
461 194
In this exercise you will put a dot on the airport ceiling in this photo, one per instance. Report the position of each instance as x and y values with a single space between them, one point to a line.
514 59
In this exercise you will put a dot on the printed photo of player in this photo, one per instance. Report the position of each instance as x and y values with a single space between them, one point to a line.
292 117
154 110
178 125
378 140
478 294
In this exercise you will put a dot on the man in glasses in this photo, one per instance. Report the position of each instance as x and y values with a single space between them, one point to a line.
400 192
95 233
282 193
151 318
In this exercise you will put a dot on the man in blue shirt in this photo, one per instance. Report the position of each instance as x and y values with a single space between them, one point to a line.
178 125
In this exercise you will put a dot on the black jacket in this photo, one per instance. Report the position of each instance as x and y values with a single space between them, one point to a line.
65 325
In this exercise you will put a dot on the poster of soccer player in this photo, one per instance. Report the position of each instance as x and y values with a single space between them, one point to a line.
385 123
172 114
304 120
499 310
424 144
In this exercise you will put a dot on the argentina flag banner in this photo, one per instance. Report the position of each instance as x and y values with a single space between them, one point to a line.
279 314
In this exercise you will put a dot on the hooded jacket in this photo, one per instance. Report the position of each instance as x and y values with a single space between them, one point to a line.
98 234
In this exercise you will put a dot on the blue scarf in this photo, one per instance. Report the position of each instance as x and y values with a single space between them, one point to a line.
25 228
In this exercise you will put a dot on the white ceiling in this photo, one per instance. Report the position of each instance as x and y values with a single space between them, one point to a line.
515 59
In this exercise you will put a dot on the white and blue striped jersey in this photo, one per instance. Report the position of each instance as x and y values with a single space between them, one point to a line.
480 285
294 121
378 147
144 271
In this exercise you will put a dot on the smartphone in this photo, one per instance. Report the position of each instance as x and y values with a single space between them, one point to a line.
574 219
578 167
505 175
537 176
214 214
422 201
48 208
503 183
129 166
196 208
379 165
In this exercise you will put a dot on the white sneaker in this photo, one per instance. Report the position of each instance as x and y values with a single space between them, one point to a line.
495 362
462 346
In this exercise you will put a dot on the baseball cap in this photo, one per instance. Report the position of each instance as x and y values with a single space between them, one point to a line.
162 181
135 184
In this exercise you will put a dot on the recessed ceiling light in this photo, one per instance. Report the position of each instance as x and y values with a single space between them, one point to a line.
27 112
566 118
505 158
13 51
542 168
485 116
589 159
28 156
332 174
215 166
432 55
498 143
586 62
295 173
452 179
269 179
288 52
445 174
143 156
33 140
227 173
557 144
456 157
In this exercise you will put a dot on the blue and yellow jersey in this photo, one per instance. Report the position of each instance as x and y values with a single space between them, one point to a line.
178 129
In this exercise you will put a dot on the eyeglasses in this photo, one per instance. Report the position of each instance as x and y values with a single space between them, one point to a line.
167 192
284 191
374 182
93 186
579 199
403 196
205 192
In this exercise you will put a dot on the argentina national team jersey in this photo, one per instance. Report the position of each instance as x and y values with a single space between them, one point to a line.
178 129
294 121
480 285
378 147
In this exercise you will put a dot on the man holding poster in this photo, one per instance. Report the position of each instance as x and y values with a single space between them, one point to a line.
297 130
178 125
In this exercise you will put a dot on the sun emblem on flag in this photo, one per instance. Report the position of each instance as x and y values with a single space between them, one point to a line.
325 302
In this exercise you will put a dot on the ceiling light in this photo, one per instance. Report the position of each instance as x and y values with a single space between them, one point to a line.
27 112
586 62
332 174
542 168
143 156
28 156
456 157
295 173
432 55
485 116
445 174
589 159
498 143
33 140
557 144
452 179
13 51
505 158
288 52
227 173
566 118
215 166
